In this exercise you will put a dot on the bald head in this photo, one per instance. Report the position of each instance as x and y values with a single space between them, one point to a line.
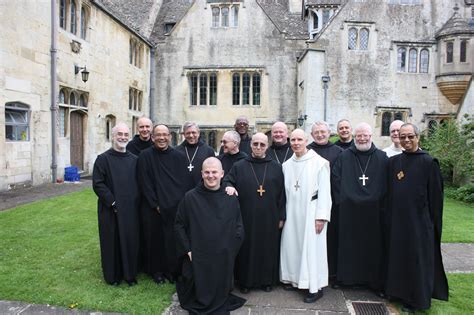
394 132
212 173
144 126
298 141
259 145
279 133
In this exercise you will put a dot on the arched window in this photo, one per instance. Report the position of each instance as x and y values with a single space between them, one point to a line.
315 20
245 89
424 60
62 97
62 14
225 17
193 83
236 89
215 16
386 121
256 89
73 17
449 52
352 40
82 101
364 39
109 124
213 89
72 99
412 60
401 59
235 15
203 89
83 23
463 51
17 121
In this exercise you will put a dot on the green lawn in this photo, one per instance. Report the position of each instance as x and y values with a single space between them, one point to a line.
49 254
458 222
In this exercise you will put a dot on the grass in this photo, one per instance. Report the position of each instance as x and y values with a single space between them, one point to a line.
458 222
461 288
49 254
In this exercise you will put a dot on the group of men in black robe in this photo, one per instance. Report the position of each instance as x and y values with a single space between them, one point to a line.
372 236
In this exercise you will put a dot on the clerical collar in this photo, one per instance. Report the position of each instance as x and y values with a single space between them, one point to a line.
118 153
258 160
187 144
276 146
368 152
327 145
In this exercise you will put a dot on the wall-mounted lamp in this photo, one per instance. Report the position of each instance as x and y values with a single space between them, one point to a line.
302 119
84 72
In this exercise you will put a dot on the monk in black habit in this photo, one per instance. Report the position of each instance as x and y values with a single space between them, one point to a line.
321 132
280 150
142 140
195 149
259 183
209 233
164 179
359 188
415 267
231 152
344 131
114 182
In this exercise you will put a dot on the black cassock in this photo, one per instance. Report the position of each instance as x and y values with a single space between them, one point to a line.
344 145
228 160
137 145
164 179
203 152
258 260
415 267
114 180
330 152
361 214
209 225
280 153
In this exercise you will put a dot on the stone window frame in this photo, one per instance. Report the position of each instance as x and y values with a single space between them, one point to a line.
203 88
74 17
135 99
449 51
110 121
135 52
65 107
355 28
316 21
228 20
388 114
249 93
463 50
17 121
422 61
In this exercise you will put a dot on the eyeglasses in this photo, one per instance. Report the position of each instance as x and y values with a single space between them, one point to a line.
259 144
410 137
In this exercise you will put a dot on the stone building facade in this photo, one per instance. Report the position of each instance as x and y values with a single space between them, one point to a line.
210 61
117 59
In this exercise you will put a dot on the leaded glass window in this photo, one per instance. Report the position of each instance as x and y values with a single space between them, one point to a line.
412 60
352 39
424 60
364 39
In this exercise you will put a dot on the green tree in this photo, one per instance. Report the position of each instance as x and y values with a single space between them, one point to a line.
453 145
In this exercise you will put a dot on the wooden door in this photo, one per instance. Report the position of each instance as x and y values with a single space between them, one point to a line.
77 140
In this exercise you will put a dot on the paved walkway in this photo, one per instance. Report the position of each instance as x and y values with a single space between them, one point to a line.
458 258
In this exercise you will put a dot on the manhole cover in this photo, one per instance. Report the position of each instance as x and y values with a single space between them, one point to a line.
363 308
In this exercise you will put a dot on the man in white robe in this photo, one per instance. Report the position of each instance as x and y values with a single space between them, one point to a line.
308 210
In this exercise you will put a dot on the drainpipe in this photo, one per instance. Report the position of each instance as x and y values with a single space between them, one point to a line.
54 106
152 83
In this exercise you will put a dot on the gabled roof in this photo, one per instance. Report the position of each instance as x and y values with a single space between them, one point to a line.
171 11
455 26
290 24
133 14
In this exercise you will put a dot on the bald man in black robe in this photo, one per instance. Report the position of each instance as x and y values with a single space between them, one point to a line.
142 140
114 182
259 183
359 188
164 179
280 150
209 233
415 266
230 150
195 149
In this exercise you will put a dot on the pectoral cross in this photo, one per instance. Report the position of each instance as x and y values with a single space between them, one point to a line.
261 190
190 167
363 178
297 186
